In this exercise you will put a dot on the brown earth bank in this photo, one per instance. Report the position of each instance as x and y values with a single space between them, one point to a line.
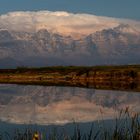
99 77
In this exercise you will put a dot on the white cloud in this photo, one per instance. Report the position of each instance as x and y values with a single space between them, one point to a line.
60 21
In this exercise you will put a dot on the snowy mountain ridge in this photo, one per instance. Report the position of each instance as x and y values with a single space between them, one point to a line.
86 40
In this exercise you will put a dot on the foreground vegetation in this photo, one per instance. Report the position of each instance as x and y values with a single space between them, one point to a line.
102 77
126 127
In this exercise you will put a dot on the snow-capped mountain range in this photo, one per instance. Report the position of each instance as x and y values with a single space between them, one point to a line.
60 38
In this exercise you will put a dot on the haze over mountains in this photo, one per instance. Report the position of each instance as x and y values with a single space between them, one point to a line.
60 38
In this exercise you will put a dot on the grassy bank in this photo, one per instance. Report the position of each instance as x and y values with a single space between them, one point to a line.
103 77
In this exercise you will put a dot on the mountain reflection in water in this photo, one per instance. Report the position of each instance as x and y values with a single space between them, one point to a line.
60 105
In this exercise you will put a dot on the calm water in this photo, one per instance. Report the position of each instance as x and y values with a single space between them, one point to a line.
44 105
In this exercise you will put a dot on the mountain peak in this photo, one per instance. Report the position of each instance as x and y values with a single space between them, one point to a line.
126 28
5 35
42 31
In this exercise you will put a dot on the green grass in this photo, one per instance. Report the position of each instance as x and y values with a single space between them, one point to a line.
126 127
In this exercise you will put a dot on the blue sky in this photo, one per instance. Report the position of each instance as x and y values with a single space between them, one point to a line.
114 8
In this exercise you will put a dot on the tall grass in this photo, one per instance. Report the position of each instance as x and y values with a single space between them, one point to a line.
126 127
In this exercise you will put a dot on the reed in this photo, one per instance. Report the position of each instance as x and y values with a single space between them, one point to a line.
126 127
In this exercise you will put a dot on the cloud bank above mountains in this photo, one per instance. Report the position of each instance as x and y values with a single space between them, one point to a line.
46 38
61 22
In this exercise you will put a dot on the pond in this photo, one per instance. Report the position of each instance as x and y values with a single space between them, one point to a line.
26 105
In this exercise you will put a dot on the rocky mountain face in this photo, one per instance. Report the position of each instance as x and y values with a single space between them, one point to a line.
118 45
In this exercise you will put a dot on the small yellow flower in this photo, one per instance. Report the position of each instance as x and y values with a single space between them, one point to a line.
36 136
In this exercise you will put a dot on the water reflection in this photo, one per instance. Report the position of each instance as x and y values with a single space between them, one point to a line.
60 105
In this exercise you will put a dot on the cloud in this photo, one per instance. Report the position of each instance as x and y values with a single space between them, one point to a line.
60 21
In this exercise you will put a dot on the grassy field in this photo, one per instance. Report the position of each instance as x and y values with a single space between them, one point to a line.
99 77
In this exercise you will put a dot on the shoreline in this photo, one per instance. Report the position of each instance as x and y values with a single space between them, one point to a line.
98 77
